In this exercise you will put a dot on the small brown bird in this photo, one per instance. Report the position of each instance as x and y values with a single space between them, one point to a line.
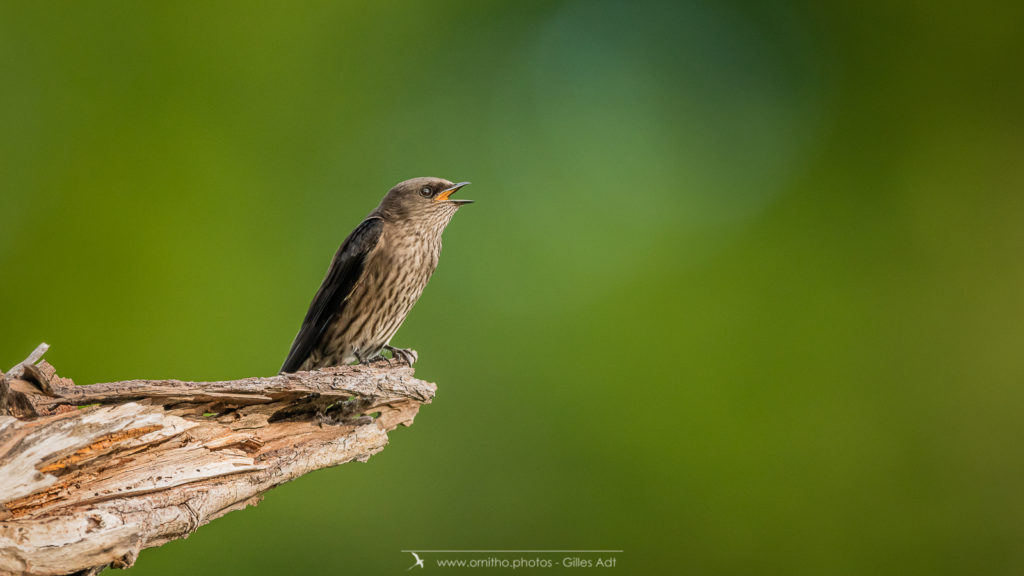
376 277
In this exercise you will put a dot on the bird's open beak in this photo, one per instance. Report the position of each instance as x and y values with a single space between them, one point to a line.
445 195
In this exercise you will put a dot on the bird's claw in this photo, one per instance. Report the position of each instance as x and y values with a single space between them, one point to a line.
407 355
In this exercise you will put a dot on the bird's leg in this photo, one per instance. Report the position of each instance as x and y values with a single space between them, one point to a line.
363 360
407 355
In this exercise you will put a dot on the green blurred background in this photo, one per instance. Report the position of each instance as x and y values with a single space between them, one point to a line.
741 293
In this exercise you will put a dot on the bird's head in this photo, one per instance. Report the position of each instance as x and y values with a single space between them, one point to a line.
425 200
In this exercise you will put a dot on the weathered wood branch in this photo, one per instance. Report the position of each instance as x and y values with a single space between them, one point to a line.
149 461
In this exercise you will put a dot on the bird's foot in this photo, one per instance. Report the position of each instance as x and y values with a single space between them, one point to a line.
407 355
364 360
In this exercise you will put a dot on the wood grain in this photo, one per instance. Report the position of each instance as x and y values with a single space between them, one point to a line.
93 474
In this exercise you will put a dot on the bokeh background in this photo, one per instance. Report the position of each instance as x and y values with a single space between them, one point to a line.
742 292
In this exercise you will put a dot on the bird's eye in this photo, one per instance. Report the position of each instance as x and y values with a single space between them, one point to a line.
426 192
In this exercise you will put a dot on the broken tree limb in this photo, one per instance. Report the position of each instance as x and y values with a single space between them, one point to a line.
149 461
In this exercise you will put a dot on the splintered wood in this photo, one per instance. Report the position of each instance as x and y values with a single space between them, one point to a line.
150 461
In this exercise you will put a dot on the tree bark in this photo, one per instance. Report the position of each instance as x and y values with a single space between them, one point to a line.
91 475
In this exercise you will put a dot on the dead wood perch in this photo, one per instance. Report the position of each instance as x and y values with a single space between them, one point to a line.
81 489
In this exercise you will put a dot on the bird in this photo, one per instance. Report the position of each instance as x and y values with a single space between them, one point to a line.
375 278
419 562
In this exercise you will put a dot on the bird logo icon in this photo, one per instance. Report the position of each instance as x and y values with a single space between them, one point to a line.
419 561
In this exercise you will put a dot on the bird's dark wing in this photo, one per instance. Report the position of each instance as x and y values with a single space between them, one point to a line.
346 268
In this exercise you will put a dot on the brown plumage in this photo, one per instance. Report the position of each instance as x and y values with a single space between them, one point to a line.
376 277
